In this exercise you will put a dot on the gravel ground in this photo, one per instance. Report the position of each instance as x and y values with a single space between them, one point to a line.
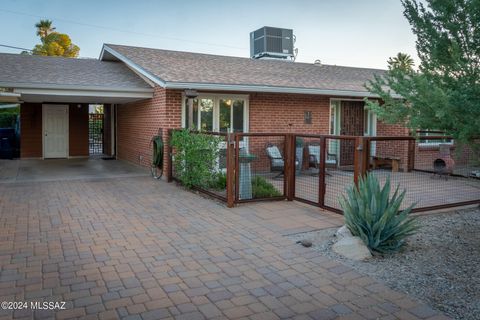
440 265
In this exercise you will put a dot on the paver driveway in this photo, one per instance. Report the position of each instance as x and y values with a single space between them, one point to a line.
135 248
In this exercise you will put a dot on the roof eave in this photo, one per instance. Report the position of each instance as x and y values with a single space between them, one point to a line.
267 89
45 86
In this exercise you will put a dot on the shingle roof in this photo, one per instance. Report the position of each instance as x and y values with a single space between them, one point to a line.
187 67
20 70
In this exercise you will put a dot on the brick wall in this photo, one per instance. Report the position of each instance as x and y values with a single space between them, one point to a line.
268 112
285 113
31 130
138 122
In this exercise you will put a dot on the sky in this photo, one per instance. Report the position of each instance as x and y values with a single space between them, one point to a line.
361 33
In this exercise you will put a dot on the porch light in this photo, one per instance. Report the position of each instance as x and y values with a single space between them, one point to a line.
190 94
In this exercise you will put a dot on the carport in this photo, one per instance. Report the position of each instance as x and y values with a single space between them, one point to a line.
55 95
38 170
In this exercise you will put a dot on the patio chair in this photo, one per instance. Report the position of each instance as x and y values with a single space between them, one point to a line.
277 163
314 157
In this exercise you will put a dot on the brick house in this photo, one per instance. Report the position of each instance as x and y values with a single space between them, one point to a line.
143 90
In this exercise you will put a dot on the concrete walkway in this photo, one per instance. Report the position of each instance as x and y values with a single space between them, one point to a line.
136 248
66 169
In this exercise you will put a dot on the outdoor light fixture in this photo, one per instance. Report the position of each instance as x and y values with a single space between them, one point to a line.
191 94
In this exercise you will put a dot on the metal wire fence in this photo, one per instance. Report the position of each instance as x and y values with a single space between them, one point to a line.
215 167
318 169
260 166
435 173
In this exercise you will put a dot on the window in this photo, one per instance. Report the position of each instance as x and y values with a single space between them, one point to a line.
231 115
206 115
433 142
222 113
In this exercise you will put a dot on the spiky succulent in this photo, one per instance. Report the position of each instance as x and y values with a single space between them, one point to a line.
371 214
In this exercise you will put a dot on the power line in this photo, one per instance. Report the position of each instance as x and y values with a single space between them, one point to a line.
122 30
12 47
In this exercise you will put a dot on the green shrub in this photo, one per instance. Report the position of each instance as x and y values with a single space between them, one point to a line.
7 120
195 157
261 188
219 182
373 216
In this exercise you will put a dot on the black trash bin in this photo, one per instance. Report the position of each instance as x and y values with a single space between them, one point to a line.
7 143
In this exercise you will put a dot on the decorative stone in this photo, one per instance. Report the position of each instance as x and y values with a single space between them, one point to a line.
305 242
343 232
352 248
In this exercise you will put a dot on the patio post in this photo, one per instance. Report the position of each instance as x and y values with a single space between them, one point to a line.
230 169
411 154
236 137
321 173
289 182
362 152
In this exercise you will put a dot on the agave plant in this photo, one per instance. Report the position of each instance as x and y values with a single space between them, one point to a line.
371 214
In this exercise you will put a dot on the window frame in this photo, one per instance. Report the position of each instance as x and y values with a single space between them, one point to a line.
422 142
216 97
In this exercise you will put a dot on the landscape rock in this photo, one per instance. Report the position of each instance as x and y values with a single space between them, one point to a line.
352 248
305 242
343 232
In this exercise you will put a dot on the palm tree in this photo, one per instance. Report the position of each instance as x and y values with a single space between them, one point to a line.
44 28
401 61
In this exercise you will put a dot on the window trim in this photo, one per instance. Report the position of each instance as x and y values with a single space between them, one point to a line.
216 97
432 144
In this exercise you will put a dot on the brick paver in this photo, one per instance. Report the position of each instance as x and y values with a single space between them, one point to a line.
135 248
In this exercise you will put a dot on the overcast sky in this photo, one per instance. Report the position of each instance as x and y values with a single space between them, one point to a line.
342 32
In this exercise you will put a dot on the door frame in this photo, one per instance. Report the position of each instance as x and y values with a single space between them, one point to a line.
67 129
372 121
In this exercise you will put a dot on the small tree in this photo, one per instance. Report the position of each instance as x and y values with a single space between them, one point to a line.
44 28
401 61
53 43
444 94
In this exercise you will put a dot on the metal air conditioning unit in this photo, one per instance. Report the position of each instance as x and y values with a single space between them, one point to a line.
273 43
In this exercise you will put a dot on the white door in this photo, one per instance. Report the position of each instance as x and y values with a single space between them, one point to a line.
55 131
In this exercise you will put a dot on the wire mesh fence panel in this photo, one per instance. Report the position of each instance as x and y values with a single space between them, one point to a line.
95 133
339 169
202 168
433 172
307 168
260 164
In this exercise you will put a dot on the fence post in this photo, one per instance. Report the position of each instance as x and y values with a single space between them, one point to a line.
289 175
321 173
230 170
169 156
237 167
411 155
361 158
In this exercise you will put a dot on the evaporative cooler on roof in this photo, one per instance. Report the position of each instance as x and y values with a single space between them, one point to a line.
269 42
